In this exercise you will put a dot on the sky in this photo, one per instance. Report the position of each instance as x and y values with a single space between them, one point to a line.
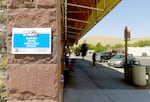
132 13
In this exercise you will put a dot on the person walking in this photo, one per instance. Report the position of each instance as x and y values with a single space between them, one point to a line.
94 59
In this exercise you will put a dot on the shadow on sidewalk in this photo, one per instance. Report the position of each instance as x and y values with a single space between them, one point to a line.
101 77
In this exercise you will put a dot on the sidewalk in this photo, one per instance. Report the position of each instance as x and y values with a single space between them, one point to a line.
101 84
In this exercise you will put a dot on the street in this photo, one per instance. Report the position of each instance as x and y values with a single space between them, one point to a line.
101 84
144 60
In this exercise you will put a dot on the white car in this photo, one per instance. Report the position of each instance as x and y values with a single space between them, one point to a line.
119 60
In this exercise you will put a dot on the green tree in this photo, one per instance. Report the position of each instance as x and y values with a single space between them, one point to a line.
140 43
90 47
99 47
134 44
143 43
118 46
108 47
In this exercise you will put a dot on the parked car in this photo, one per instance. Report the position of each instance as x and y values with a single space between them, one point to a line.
119 60
103 56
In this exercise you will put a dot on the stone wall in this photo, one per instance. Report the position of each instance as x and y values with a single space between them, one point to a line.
34 78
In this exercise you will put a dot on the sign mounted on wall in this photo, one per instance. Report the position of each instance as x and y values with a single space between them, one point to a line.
31 41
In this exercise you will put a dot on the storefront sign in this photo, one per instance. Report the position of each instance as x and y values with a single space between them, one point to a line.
31 41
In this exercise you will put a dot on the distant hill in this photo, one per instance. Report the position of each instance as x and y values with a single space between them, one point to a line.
104 40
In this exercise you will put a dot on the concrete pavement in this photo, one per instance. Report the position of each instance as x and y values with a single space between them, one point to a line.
101 84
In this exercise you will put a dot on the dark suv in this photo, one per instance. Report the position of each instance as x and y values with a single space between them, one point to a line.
104 56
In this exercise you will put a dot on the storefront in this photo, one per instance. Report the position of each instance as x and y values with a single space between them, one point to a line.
35 76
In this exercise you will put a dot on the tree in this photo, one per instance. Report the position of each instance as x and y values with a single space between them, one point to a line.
143 43
140 43
108 47
100 48
90 47
118 46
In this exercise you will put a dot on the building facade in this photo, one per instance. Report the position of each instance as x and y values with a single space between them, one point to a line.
37 77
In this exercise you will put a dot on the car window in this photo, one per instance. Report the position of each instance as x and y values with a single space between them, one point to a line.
118 56
102 53
122 56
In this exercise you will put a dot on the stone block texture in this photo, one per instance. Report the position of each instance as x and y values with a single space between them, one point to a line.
32 101
31 3
34 81
33 78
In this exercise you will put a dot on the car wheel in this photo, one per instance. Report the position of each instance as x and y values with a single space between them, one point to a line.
144 54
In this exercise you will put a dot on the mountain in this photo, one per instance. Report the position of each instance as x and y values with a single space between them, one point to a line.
104 40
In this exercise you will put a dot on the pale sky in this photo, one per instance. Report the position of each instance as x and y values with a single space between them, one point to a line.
132 13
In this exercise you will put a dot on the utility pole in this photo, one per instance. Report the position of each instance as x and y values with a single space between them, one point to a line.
127 38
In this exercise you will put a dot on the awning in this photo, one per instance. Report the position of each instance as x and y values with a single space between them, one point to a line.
80 16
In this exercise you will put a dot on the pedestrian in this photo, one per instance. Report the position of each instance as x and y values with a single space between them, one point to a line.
94 59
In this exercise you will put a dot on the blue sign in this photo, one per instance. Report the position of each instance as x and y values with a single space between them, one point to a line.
31 41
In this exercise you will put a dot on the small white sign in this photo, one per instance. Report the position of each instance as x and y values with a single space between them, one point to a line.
31 41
